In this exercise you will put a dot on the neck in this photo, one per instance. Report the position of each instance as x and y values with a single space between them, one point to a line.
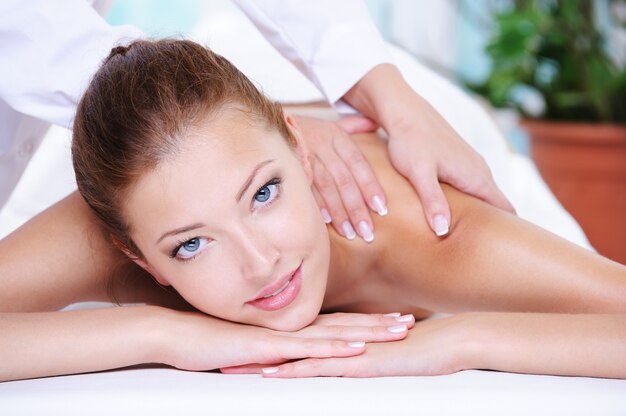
349 274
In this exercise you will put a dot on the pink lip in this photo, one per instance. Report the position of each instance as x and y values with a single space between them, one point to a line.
282 299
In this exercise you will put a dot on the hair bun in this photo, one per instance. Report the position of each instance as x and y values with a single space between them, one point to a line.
118 50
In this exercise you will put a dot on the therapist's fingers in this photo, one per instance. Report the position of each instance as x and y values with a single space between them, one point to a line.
359 220
434 202
332 207
484 187
494 196
346 186
322 204
357 124
360 168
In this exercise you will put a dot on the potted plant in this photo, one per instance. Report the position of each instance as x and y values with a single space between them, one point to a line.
551 60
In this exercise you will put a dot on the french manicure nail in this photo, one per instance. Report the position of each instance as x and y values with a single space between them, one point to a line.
441 225
405 318
379 206
396 329
366 232
348 231
326 216
270 370
359 344
393 314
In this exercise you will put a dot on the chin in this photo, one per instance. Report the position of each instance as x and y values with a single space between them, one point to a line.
295 319
292 325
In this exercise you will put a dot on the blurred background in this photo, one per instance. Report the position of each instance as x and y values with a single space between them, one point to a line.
550 72
453 38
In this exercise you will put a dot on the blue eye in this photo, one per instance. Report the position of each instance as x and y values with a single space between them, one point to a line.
267 193
189 248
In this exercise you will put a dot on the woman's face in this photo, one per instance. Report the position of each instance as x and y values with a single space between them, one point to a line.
231 223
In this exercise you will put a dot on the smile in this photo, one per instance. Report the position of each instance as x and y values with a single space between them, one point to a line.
273 299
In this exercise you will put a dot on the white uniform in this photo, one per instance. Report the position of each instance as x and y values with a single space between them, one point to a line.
50 48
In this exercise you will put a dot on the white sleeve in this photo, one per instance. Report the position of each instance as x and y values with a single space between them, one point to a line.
49 49
333 43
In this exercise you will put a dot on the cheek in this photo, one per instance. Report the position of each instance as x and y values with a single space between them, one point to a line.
299 220
202 283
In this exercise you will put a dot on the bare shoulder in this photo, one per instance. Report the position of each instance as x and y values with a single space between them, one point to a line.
61 256
406 222
49 261
490 260
406 252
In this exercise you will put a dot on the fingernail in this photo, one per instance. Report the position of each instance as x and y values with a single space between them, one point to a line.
441 225
326 216
348 231
379 206
359 344
405 318
393 314
366 232
397 328
270 370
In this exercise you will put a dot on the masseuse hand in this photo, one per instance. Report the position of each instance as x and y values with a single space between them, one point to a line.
344 184
199 342
423 146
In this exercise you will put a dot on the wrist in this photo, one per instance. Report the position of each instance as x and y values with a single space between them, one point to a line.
384 96
473 341
158 334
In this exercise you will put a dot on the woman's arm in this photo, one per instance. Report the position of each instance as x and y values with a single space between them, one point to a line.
560 344
55 343
44 344
533 343
61 257
498 262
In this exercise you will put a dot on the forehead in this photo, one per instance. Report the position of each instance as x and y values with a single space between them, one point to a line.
228 144
215 159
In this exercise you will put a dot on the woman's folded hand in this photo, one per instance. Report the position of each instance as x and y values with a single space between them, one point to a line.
432 347
198 342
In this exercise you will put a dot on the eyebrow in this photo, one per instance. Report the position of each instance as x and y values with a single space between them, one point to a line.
181 230
248 181
243 189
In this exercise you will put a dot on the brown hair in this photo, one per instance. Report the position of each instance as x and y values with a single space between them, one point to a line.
137 110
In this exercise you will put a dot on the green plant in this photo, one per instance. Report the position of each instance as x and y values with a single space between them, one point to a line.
556 49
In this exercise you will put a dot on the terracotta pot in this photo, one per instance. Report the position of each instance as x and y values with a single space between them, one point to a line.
585 166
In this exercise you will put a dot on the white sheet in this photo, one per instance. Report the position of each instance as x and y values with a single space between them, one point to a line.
169 392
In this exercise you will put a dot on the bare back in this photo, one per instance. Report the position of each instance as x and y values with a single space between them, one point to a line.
490 260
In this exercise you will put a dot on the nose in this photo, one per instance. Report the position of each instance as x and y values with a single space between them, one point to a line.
258 256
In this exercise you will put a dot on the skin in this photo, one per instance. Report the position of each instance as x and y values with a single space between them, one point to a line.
246 244
159 332
423 147
405 268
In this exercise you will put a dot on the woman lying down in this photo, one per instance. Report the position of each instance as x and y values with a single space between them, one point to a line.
206 185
